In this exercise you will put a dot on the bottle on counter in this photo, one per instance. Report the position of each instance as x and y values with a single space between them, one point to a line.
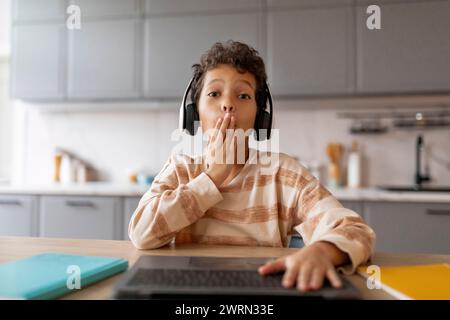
354 167
57 157
334 152
67 172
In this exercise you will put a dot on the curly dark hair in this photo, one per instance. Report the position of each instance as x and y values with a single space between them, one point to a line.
240 55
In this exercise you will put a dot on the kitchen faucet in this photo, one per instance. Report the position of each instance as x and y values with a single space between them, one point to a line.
419 178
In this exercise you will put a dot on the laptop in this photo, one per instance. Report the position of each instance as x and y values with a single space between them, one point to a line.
170 277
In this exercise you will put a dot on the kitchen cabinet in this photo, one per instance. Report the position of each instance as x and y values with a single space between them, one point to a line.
104 60
130 204
378 2
18 215
164 7
356 206
174 44
42 10
410 227
81 217
311 51
284 4
144 49
38 61
108 8
411 51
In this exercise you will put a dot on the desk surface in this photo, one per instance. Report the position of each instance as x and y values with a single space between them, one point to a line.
13 248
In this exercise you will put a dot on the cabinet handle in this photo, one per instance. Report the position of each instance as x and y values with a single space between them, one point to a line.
436 212
11 202
80 204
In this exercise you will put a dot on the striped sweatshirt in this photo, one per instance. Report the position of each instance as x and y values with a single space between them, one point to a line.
261 206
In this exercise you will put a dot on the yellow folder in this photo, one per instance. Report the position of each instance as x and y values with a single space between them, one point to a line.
420 282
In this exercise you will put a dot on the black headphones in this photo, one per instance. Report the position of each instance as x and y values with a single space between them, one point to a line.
263 120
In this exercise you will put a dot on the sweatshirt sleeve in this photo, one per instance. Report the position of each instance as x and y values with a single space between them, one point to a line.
169 206
323 218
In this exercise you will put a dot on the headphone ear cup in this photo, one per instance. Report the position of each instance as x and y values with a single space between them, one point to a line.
262 120
258 124
190 118
264 124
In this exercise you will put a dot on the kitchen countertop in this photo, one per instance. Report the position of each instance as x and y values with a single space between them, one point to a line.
374 194
133 190
85 189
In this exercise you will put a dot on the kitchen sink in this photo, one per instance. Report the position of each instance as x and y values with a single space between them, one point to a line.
416 189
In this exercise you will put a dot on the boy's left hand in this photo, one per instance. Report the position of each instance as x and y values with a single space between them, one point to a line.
307 268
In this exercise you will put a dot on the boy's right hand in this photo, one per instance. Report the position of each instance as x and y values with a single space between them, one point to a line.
221 150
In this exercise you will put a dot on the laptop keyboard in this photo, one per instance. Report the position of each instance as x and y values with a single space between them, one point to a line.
204 278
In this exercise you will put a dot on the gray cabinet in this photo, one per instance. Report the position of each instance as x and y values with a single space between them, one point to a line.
410 227
38 61
164 7
32 10
144 49
284 4
129 206
81 217
311 51
18 215
174 44
104 60
411 51
107 8
356 206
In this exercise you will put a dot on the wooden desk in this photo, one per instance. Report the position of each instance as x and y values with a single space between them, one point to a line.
13 248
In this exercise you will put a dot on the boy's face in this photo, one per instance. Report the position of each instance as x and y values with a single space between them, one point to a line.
225 90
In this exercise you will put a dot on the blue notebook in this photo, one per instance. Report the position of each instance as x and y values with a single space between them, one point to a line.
51 275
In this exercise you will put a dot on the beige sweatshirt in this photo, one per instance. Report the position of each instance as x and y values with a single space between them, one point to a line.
261 206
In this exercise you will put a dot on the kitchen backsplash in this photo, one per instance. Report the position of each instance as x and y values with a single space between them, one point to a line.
119 141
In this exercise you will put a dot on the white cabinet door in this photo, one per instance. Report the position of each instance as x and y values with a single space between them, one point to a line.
410 227
311 51
130 204
38 61
81 217
104 60
18 216
174 44
411 51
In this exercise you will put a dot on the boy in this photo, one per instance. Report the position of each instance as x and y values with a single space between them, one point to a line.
223 202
